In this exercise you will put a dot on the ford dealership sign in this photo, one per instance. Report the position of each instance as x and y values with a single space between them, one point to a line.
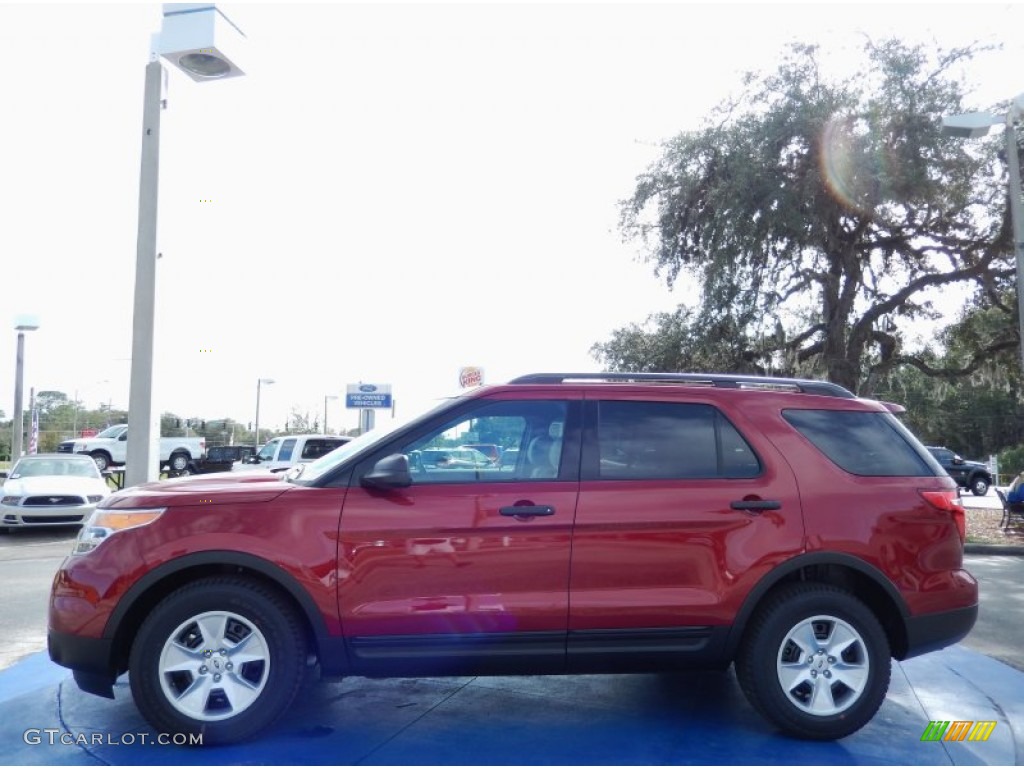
368 396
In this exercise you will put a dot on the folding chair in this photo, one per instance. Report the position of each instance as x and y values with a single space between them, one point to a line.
1011 510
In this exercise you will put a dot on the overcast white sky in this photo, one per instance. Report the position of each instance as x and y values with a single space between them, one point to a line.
395 190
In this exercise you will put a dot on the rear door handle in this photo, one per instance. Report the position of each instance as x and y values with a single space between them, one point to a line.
756 506
528 510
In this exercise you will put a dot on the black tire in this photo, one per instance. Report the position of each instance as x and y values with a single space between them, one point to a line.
805 692
179 462
979 485
203 624
102 460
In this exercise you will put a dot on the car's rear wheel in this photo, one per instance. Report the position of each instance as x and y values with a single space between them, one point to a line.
815 662
179 462
222 657
979 486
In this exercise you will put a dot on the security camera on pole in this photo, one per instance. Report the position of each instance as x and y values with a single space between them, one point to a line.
974 125
200 41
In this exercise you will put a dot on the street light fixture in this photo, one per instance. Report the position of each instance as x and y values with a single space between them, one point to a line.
326 398
973 125
22 323
200 41
259 384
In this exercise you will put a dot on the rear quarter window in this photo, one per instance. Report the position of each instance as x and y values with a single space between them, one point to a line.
314 449
865 443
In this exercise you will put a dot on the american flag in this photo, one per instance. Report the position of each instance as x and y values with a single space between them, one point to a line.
33 437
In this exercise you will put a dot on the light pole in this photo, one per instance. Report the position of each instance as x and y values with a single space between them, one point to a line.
326 398
974 125
259 384
21 324
193 37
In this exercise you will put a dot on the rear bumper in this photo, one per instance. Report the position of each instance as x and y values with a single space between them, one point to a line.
937 630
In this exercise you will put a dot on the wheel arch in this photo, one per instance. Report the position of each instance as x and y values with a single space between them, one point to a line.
139 600
982 473
858 577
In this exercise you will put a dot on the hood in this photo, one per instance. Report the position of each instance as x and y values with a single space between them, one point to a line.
217 488
59 485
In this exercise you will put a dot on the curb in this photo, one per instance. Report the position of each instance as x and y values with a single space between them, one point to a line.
993 549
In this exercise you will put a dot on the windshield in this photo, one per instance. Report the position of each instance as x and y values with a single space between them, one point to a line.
114 431
55 466
306 474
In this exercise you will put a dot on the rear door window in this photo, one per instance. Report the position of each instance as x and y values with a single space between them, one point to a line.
865 443
670 441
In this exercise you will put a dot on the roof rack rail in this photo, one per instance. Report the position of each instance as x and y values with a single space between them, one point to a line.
726 380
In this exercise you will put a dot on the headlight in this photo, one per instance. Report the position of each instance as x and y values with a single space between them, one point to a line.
104 523
11 501
94 499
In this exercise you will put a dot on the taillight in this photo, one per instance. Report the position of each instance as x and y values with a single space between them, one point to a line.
949 501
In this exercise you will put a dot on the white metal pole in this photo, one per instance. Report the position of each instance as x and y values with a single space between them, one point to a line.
1016 217
259 383
143 430
18 424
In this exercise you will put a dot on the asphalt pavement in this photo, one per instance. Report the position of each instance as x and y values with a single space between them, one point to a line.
695 718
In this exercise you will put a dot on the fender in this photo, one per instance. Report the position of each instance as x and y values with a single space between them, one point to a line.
333 651
807 559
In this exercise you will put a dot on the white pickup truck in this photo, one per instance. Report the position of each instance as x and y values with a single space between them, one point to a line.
282 453
110 448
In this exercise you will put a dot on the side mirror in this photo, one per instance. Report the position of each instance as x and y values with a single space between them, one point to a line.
3 475
958 460
123 437
390 472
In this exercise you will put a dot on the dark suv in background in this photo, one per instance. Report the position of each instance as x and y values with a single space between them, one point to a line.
968 474
648 522
220 458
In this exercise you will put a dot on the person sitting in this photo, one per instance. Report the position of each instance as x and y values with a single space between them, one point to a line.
1015 493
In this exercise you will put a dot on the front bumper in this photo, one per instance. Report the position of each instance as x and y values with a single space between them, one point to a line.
90 658
31 516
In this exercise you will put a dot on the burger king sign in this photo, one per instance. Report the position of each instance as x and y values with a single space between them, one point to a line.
471 376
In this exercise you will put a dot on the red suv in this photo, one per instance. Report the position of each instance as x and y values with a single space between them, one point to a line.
647 522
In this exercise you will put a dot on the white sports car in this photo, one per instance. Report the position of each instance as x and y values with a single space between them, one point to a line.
51 489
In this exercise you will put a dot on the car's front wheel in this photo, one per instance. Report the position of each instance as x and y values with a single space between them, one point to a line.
979 486
102 460
223 657
815 662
